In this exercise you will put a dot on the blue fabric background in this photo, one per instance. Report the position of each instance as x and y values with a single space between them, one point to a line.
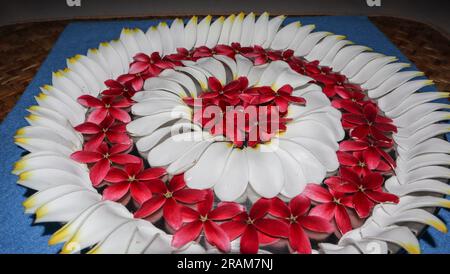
18 234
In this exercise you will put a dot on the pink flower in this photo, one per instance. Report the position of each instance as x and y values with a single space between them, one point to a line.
171 198
295 215
103 157
106 106
203 219
132 178
254 229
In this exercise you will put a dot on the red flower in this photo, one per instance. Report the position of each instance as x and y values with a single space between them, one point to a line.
145 66
366 191
120 87
201 52
228 94
369 123
295 215
262 56
106 106
132 178
362 162
231 51
332 205
114 132
103 156
373 149
168 197
254 228
351 101
203 219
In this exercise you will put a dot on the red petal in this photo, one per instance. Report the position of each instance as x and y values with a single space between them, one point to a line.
88 128
138 67
340 185
281 103
370 111
279 209
362 204
140 192
150 206
325 211
214 84
116 191
317 193
97 116
316 223
118 137
123 159
260 208
216 236
187 233
116 175
371 157
350 145
172 213
204 207
177 182
272 227
189 214
382 197
298 239
90 101
360 132
189 196
346 159
234 229
86 156
249 241
151 173
134 169
299 205
225 211
260 60
372 180
342 219
385 127
120 114
354 118
99 171
137 83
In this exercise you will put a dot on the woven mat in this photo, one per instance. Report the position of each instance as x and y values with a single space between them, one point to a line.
23 47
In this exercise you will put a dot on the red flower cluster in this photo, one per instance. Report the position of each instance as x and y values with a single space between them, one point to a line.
358 185
261 108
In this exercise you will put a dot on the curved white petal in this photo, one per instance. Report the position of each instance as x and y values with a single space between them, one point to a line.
261 29
248 30
285 36
234 178
203 31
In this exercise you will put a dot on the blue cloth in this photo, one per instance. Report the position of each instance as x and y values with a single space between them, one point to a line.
18 234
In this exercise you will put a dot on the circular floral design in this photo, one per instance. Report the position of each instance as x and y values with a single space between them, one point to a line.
238 61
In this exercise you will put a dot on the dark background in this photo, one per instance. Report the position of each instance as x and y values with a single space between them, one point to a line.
432 12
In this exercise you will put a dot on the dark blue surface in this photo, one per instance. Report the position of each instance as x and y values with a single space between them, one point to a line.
17 232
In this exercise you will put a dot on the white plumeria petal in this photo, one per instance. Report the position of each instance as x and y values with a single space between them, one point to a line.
243 65
188 159
329 57
411 202
313 170
40 179
325 154
209 167
177 32
285 36
311 129
427 172
265 171
425 120
248 30
45 133
366 72
255 73
261 28
345 55
203 31
152 107
433 145
428 185
234 178
67 206
429 159
164 84
214 67
63 83
180 78
310 42
53 103
190 33
414 100
292 78
154 37
142 41
355 65
273 71
95 55
166 39
323 47
401 93
327 119
393 82
236 29
114 59
294 179
272 28
214 32
201 78
226 29
146 125
230 63
422 135
383 74
62 96
412 115
118 241
300 35
129 42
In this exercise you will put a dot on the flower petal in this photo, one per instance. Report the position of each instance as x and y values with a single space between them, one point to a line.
225 211
362 204
249 241
187 233
216 236
172 213
317 193
342 219
140 192
298 239
151 173
98 171
116 191
150 206
316 223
